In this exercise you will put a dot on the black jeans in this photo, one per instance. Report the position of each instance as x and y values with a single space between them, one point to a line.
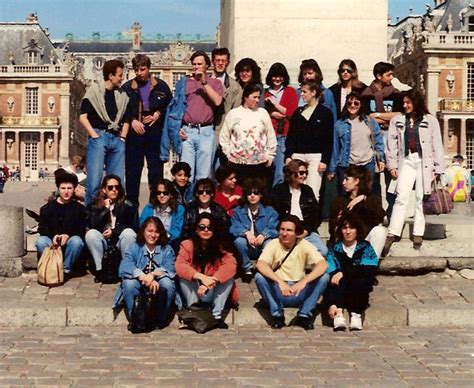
351 294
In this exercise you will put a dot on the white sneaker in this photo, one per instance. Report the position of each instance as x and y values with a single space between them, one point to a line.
339 322
356 321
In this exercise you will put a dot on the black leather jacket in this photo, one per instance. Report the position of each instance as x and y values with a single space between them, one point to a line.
310 209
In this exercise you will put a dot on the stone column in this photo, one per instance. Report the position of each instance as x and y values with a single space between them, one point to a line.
41 149
445 135
56 148
462 140
3 154
63 157
12 248
432 91
17 147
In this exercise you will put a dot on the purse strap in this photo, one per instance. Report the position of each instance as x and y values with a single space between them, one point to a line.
286 257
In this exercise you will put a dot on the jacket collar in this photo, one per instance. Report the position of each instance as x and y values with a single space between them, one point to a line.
134 83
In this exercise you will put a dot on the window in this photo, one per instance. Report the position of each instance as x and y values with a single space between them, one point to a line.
470 149
31 101
470 81
32 57
177 76
470 24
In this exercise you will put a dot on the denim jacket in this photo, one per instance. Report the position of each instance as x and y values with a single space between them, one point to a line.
177 220
342 143
136 259
267 221
173 121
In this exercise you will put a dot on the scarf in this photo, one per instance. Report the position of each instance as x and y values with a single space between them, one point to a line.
379 95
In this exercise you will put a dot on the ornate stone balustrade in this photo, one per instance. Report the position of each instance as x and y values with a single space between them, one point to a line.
457 105
443 40
13 121
32 69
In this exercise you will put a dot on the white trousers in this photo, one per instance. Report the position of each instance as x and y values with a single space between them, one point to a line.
377 237
314 178
409 173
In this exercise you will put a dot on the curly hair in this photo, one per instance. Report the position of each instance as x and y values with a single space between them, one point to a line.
352 220
248 64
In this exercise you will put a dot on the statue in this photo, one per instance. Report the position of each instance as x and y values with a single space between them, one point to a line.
450 80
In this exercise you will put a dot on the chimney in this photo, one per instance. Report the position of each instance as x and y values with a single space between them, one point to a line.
136 36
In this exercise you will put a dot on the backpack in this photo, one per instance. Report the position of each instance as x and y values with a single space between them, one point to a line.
50 267
458 188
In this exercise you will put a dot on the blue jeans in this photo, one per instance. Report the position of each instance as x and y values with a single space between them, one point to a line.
306 300
279 161
314 239
247 252
106 150
216 296
71 251
97 244
340 173
132 288
198 151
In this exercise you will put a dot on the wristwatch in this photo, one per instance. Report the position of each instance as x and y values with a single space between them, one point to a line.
204 82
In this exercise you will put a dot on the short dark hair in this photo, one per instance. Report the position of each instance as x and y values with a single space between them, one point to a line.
310 64
249 89
292 168
220 51
223 172
458 157
201 53
181 166
248 63
110 67
66 177
418 101
163 235
299 229
363 175
354 96
206 183
382 67
354 221
141 60
277 70
249 185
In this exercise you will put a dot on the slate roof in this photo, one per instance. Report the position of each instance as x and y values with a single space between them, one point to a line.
125 47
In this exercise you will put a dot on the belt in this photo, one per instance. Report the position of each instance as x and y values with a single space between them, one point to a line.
196 125
112 131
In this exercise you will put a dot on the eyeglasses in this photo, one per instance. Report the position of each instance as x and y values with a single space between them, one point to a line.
302 173
113 187
346 70
254 192
159 192
207 228
353 103
203 192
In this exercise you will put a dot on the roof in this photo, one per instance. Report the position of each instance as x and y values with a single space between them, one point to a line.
453 8
125 47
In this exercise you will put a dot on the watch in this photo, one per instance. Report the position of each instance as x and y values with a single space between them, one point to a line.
204 82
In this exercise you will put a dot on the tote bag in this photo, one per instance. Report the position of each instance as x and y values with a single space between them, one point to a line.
50 267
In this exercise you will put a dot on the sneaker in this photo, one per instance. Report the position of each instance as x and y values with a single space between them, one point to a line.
247 276
340 322
304 322
356 321
277 322
221 324
388 244
417 241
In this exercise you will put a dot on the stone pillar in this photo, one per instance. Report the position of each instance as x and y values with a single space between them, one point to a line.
445 135
56 147
41 149
3 153
12 248
462 140
63 157
17 147
432 91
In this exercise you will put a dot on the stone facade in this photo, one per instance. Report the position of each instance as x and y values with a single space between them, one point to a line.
289 31
434 52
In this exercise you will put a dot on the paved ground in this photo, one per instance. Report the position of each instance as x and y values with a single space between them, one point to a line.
94 357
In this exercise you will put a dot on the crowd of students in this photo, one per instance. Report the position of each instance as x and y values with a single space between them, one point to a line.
248 190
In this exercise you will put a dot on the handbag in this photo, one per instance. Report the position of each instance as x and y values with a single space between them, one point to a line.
110 264
144 313
51 268
198 319
439 201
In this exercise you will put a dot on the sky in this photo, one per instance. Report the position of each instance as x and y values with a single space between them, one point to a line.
166 17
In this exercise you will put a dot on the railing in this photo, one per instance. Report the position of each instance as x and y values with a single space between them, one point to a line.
33 69
457 105
449 39
29 121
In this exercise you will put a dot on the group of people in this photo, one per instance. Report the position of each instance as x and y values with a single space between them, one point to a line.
249 184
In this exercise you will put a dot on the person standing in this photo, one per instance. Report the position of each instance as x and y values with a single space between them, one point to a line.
458 180
382 102
189 122
414 157
149 98
105 116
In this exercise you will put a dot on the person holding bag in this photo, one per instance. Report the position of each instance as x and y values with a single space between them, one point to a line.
414 157
112 221
148 268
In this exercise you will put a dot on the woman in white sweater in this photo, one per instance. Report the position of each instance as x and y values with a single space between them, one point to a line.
247 137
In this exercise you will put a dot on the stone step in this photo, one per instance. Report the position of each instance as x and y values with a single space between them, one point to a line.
452 248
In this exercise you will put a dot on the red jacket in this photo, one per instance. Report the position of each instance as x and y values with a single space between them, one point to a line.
224 269
222 200
289 100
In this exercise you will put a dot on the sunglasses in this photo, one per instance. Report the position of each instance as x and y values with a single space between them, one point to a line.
203 192
353 103
302 173
159 192
346 70
207 228
113 187
254 192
